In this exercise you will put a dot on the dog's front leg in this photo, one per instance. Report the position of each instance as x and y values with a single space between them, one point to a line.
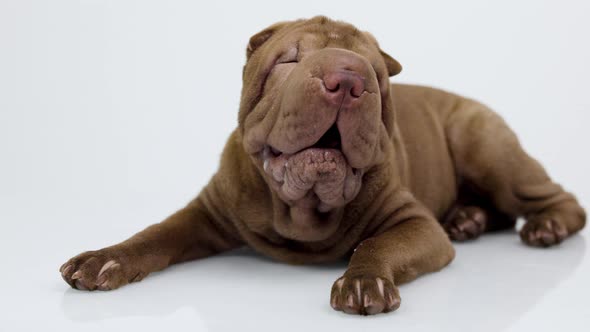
190 233
412 243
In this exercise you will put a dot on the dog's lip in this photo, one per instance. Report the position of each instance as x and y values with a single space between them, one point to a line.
270 152
312 171
329 140
275 152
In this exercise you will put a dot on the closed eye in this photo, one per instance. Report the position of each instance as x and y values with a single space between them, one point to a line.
282 62
290 56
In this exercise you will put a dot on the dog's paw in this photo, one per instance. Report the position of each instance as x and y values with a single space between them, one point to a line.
543 232
364 295
99 270
466 223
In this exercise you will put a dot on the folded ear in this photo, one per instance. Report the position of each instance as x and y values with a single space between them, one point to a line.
393 67
260 38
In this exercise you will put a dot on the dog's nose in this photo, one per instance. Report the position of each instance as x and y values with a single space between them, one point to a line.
343 86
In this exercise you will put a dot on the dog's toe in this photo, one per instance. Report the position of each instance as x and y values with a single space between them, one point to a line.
98 270
364 295
465 223
543 232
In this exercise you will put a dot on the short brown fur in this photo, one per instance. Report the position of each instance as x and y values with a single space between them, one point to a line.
424 161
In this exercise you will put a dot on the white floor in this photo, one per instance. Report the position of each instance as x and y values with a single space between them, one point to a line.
113 114
495 284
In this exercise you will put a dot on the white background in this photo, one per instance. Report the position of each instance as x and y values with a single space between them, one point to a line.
114 113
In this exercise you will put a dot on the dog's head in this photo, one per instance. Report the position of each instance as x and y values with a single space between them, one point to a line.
315 115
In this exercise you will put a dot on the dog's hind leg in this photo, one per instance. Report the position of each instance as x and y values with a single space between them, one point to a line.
472 215
488 156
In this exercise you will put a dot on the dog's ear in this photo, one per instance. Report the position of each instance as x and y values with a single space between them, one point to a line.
393 67
260 38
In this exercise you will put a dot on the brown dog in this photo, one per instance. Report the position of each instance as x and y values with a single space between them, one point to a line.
330 159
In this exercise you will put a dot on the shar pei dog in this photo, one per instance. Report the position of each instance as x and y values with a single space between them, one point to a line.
330 160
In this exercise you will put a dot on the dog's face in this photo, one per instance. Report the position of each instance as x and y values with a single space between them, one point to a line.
315 116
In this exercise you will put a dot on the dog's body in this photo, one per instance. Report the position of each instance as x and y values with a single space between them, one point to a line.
330 160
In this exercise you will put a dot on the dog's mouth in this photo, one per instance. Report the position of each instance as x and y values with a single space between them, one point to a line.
317 176
330 140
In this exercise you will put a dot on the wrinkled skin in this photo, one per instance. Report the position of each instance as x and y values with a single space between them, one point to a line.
331 161
317 126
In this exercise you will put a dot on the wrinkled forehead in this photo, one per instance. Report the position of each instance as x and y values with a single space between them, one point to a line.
321 33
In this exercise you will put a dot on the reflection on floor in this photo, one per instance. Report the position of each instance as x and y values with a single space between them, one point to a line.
490 285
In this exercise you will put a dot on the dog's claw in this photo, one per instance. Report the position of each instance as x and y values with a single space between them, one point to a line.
364 295
66 269
106 266
100 270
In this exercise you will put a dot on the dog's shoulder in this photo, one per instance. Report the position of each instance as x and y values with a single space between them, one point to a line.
424 98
